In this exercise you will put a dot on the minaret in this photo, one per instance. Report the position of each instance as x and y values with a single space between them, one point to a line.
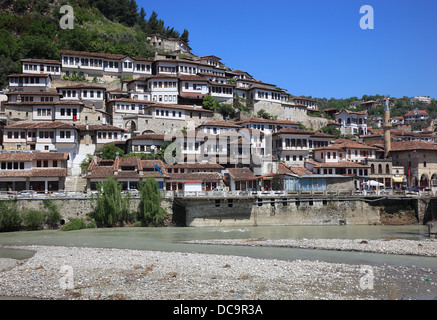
387 126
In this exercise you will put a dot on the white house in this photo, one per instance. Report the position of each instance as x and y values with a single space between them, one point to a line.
88 94
41 66
30 82
103 66
291 145
354 123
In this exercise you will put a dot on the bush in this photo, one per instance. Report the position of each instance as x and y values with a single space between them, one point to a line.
53 215
75 224
33 219
10 216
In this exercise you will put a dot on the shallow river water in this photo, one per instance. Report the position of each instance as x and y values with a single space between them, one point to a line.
168 239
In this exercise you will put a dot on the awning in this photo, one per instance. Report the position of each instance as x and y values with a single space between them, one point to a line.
398 179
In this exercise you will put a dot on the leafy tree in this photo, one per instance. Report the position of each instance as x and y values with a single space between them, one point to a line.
33 219
111 208
265 115
10 217
227 110
332 131
150 212
209 103
86 162
53 215
110 152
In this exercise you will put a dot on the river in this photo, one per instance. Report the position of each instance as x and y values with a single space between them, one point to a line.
171 238
168 239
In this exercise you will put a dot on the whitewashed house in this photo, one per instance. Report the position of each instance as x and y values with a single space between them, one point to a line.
41 66
30 82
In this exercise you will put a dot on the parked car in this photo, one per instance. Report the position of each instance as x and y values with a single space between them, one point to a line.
251 189
131 191
218 190
27 193
418 188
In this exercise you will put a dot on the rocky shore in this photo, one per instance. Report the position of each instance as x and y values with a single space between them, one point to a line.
425 247
93 273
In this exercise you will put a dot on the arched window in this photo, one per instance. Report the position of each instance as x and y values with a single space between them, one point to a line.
379 169
387 169
372 169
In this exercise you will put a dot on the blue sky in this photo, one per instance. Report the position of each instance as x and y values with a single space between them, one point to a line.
316 47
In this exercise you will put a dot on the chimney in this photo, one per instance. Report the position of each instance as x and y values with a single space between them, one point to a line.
387 126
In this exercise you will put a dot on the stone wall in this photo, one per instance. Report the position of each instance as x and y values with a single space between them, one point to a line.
251 212
115 84
233 212
78 208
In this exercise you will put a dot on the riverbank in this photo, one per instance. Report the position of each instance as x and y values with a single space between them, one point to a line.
425 247
94 273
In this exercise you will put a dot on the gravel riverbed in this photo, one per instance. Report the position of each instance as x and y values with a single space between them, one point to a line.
425 247
74 273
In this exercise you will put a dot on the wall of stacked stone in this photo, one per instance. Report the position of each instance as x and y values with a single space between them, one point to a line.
109 85
78 208
280 212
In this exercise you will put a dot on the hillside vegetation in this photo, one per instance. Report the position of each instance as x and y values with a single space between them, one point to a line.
30 29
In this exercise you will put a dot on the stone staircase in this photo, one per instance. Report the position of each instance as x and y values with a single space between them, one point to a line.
75 183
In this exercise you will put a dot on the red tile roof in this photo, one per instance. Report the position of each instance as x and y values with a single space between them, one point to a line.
41 125
240 173
60 172
30 156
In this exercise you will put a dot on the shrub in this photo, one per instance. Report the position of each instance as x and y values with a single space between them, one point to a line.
10 216
53 215
75 224
33 219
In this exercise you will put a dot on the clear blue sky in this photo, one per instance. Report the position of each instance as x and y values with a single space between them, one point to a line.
316 47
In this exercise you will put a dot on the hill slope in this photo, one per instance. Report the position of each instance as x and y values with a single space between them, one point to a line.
30 29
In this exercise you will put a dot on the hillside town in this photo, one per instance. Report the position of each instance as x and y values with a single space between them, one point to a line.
56 118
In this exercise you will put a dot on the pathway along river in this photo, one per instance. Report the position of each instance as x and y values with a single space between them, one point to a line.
170 239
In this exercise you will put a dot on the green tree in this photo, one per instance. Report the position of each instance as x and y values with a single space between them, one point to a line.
184 36
86 162
150 212
332 131
227 110
265 115
53 215
10 217
111 207
110 152
209 103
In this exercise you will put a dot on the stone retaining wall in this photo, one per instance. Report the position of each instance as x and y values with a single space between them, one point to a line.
78 208
279 212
